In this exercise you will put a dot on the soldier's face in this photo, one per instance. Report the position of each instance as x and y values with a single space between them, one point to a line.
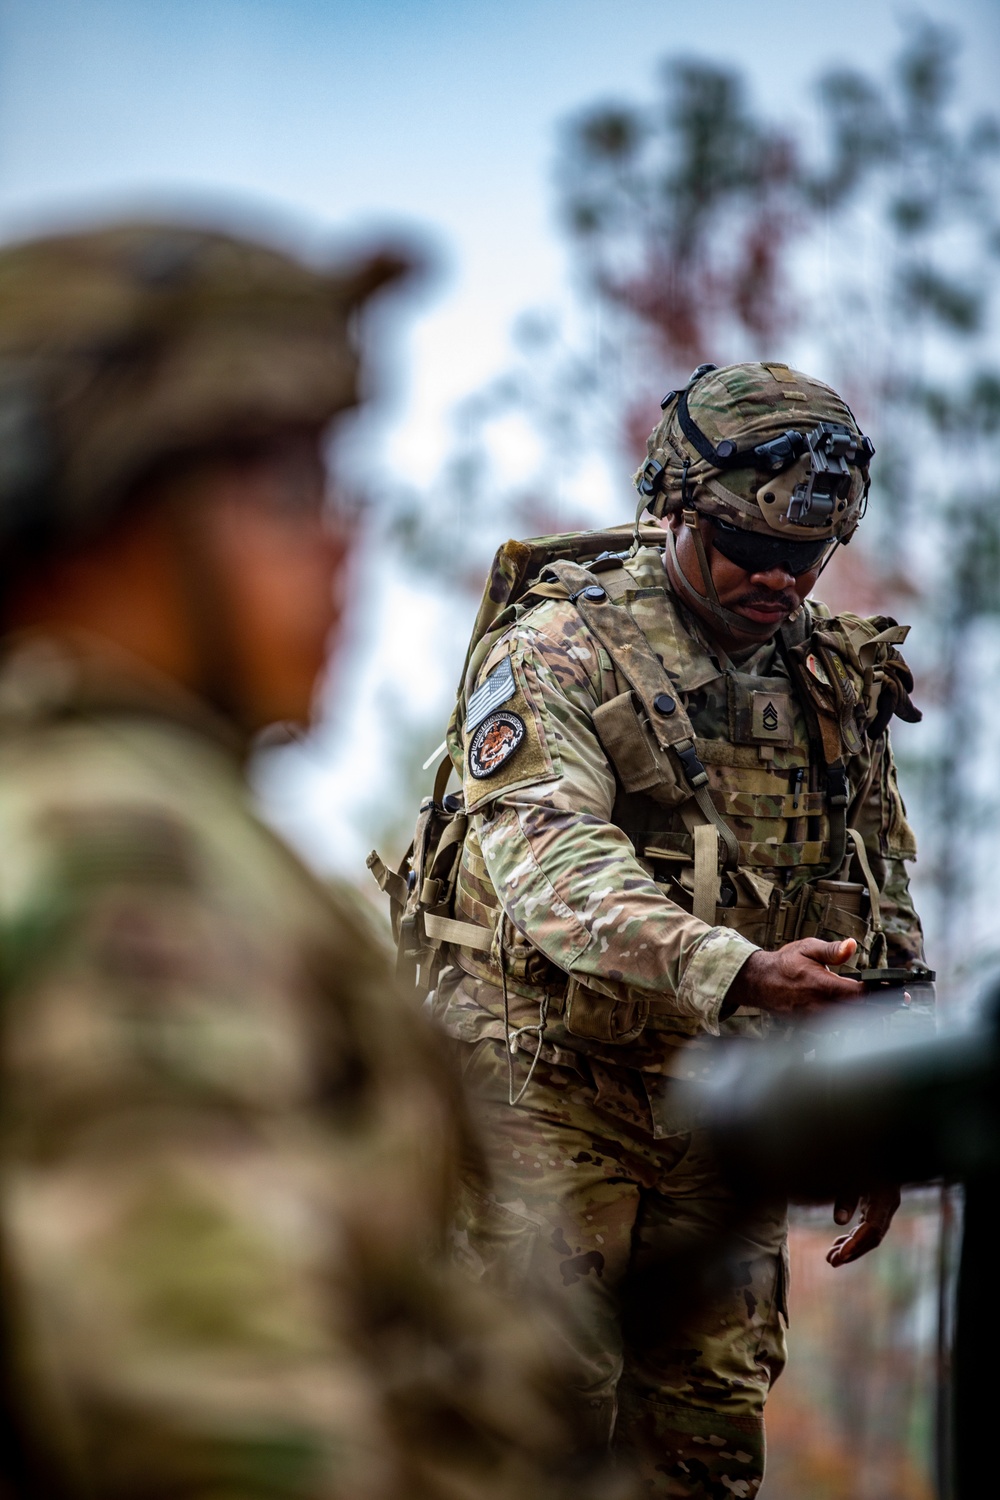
764 600
277 558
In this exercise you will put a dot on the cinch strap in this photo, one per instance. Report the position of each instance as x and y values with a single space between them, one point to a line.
394 885
866 870
462 934
706 873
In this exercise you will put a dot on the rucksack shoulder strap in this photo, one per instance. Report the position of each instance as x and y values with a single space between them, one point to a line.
651 706
594 597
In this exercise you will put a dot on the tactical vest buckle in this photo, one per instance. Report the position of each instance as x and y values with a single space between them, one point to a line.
693 768
837 786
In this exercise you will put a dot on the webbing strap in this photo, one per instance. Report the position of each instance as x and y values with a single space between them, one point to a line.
765 856
837 792
785 805
681 584
691 522
462 934
706 873
453 834
441 778
638 663
388 881
753 856
710 812
866 870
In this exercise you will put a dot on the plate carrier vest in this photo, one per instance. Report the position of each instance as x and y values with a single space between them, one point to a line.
684 801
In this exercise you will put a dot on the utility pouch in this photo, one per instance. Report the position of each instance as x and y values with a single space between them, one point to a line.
633 751
597 1018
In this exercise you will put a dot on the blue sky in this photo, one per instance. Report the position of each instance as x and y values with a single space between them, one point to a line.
333 116
439 113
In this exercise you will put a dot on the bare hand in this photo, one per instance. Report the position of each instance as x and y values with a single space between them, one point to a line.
795 979
877 1210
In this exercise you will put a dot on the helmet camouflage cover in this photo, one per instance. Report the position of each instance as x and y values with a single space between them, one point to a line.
135 342
745 444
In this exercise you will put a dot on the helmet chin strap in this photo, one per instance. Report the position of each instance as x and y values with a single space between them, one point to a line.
709 600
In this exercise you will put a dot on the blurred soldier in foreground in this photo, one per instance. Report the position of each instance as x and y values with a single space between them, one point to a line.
227 1148
680 816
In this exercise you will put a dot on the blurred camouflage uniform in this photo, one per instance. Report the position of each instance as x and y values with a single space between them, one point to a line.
228 1147
607 941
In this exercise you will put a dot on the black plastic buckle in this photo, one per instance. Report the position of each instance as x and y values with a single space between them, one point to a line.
837 786
693 768
648 481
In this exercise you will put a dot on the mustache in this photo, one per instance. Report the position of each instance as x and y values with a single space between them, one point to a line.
752 597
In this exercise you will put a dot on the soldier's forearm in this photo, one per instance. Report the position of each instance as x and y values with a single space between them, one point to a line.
570 881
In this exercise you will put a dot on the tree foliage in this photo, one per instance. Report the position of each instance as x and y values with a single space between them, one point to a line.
861 242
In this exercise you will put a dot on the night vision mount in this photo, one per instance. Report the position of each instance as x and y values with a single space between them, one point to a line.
831 448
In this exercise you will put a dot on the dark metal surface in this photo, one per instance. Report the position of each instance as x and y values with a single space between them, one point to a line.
838 1122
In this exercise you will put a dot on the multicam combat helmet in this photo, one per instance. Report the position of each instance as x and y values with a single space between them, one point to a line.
761 449
136 342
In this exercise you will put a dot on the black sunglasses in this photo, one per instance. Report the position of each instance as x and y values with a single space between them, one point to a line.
755 553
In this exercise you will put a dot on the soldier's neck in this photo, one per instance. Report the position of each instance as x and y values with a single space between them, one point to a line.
726 650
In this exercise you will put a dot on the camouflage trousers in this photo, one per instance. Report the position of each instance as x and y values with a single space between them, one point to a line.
603 1227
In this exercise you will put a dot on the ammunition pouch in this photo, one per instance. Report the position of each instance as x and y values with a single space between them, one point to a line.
830 910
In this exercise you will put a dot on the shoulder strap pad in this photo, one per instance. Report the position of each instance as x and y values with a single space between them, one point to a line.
517 564
633 656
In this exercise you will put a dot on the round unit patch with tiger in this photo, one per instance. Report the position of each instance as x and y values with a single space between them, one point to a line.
494 742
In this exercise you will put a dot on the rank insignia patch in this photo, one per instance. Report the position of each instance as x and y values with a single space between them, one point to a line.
494 742
771 718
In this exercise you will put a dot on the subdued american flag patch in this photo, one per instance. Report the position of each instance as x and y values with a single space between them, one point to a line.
497 689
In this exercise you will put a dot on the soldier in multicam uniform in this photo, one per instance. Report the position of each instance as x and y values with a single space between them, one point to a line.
228 1146
680 818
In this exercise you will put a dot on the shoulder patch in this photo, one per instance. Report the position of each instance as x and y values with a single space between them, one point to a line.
509 747
498 738
498 688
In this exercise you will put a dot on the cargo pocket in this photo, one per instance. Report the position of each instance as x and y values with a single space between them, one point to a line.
784 1280
771 1352
493 1243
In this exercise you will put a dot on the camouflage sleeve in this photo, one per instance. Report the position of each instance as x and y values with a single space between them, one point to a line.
168 1233
890 844
230 1151
567 877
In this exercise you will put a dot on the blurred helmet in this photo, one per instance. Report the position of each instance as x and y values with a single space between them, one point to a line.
762 448
135 343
